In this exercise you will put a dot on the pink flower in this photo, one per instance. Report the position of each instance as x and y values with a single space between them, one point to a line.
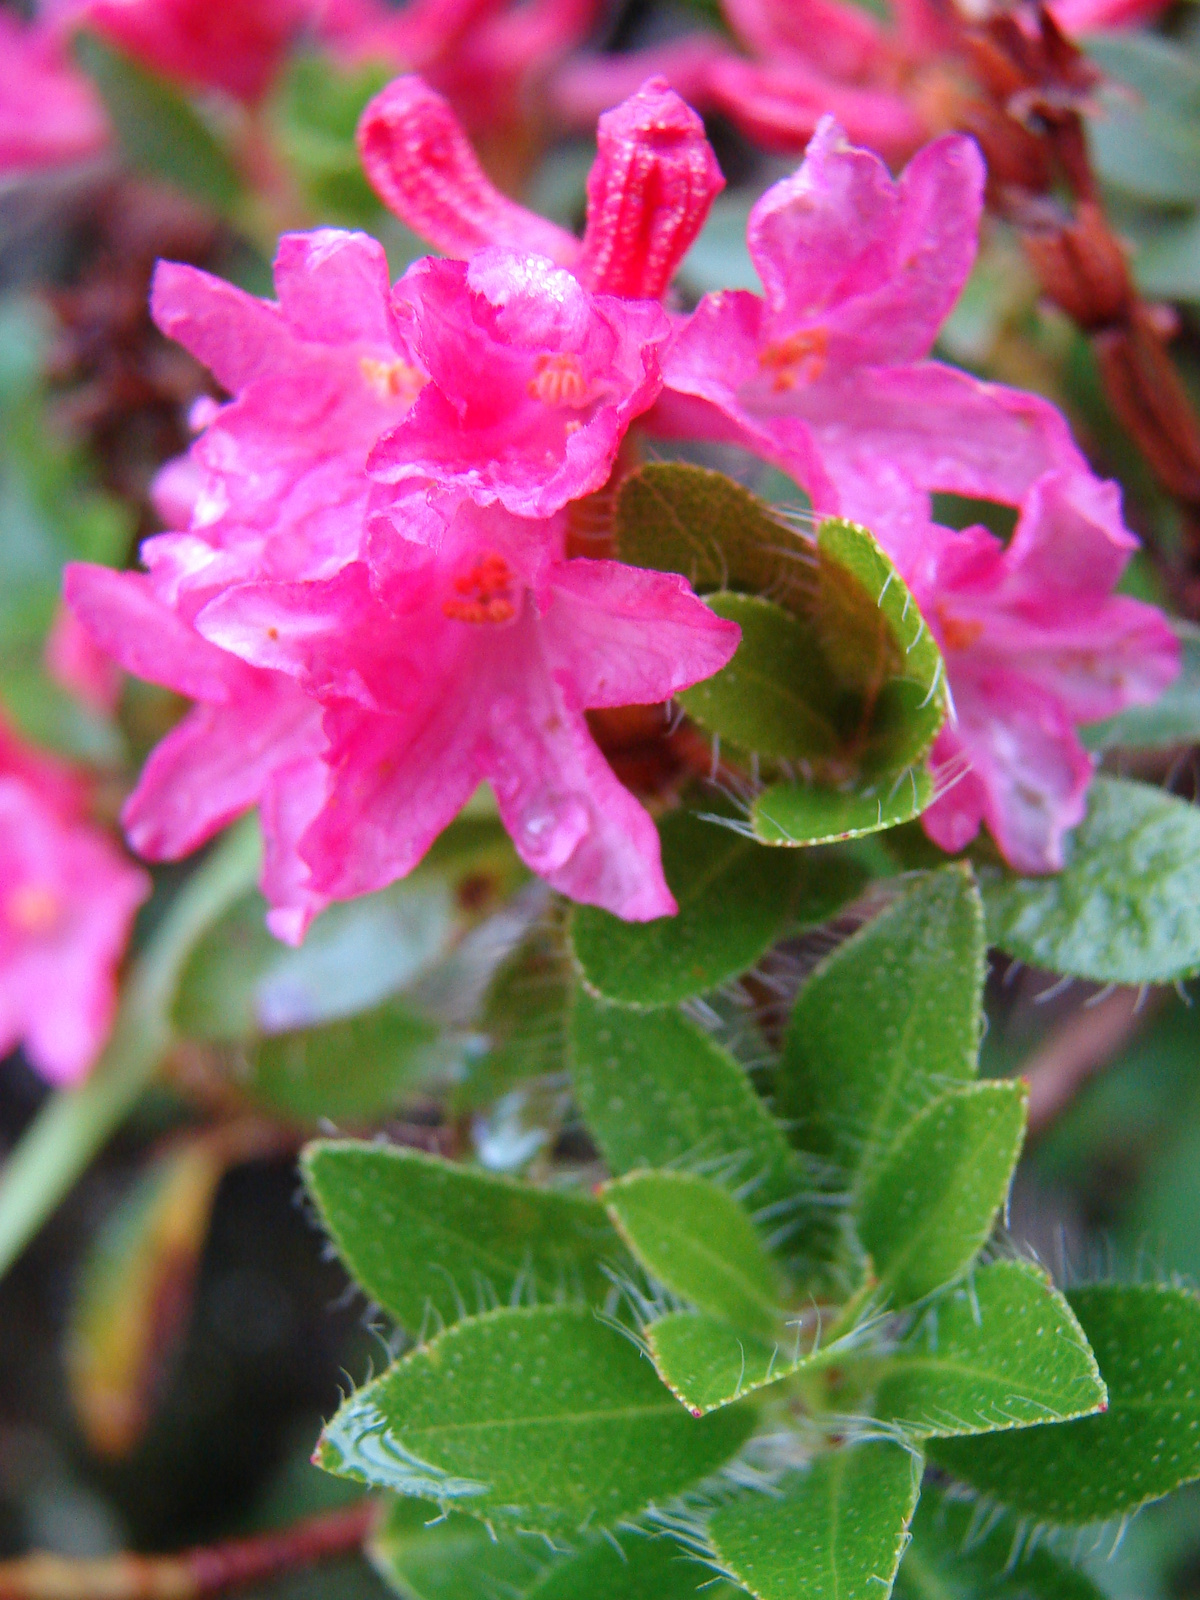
489 58
1035 642
649 190
532 381
67 900
50 114
278 475
477 662
233 45
826 375
74 662
252 739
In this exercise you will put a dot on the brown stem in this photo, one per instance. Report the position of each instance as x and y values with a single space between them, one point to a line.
191 1574
1080 1047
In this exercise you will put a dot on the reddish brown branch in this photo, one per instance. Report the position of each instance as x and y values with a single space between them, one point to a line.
191 1574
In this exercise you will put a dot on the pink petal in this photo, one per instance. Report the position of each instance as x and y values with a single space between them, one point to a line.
874 265
130 624
619 636
234 334
649 192
841 39
74 660
216 764
588 84
423 168
50 113
334 287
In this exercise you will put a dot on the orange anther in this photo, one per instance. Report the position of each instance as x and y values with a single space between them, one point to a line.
32 908
559 381
487 590
392 380
800 358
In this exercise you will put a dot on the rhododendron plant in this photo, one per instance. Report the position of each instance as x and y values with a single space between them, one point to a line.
627 716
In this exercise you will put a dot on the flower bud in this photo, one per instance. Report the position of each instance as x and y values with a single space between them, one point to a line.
422 166
649 191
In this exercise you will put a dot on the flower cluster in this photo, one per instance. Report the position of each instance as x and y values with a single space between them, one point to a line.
67 899
369 592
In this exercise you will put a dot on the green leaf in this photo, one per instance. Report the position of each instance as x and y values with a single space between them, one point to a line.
803 814
1003 1352
348 1071
836 665
1174 718
525 1018
315 111
707 1364
735 900
1126 908
656 1091
886 1023
1148 143
774 696
241 982
697 1240
954 1555
834 1532
545 1415
422 1235
1167 265
932 1199
1147 1342
455 1557
158 131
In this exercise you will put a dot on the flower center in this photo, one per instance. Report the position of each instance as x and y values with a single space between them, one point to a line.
958 633
32 908
484 593
800 358
392 380
559 381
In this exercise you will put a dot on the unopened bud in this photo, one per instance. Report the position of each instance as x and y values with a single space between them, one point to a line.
649 192
1082 268
422 166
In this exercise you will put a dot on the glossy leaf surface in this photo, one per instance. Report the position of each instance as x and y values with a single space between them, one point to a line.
735 899
545 1415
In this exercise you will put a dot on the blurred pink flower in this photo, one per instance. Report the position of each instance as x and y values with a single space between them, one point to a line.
253 738
74 661
1035 643
50 114
67 900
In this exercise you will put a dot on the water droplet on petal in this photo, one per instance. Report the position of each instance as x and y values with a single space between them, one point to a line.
549 828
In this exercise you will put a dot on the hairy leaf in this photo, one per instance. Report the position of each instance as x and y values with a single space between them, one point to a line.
1126 909
1004 1352
697 1240
544 1415
735 900
886 1023
1147 1342
933 1197
775 696
656 1091
455 1557
803 814
707 1364
834 1532
422 1235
